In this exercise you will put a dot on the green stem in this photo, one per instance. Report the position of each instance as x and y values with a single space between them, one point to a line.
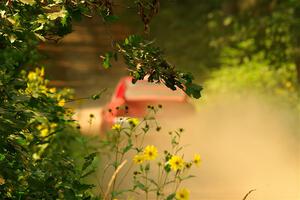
96 175
158 182
116 162
146 184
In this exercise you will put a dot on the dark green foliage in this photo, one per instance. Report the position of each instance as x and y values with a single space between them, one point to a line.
268 28
37 134
146 60
37 138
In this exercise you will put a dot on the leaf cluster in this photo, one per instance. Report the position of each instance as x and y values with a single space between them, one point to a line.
37 138
146 61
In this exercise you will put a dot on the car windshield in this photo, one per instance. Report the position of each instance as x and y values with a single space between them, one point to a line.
143 90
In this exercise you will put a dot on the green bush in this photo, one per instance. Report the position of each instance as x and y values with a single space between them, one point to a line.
255 75
37 135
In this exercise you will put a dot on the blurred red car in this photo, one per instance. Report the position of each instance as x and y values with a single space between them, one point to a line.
132 100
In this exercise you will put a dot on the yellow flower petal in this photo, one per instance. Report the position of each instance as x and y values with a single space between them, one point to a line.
197 159
53 125
35 156
133 121
32 76
116 127
183 194
139 159
61 102
44 132
150 152
52 90
176 163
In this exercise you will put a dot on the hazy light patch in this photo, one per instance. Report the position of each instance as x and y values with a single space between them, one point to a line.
245 144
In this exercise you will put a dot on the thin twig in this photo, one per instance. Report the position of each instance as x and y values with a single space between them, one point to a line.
245 197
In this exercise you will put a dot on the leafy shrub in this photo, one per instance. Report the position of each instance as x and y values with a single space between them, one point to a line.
255 75
37 134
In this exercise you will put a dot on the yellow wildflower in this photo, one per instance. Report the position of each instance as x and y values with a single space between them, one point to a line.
32 76
183 194
35 156
176 163
139 158
53 125
61 102
42 72
28 90
116 127
52 90
197 159
133 121
30 2
42 147
44 132
150 152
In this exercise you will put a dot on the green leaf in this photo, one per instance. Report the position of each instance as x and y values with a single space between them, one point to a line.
117 193
145 60
193 90
147 167
88 173
97 96
69 194
171 196
140 185
107 16
40 37
81 187
133 40
128 147
167 168
187 177
88 160
106 60
110 18
2 157
60 14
